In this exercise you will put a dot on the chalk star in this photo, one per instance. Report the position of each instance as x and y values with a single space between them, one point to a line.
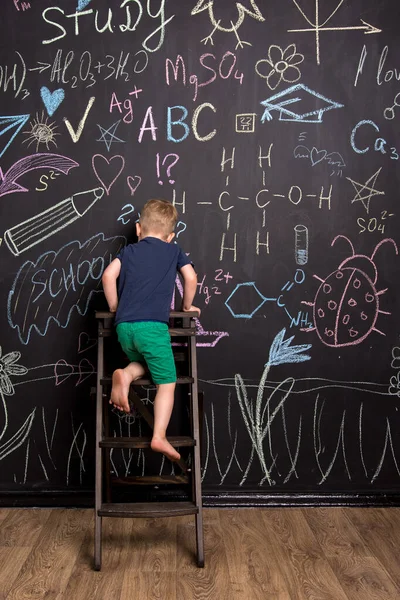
108 135
368 188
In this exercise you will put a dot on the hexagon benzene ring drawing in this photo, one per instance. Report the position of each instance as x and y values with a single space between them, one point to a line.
249 315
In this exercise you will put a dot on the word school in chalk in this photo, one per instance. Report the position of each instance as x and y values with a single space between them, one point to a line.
53 15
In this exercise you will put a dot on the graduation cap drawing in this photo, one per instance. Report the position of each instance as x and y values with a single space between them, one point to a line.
298 103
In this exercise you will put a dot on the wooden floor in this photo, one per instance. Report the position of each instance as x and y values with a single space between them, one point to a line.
269 554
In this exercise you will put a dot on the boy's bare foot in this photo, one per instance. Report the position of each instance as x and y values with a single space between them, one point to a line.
162 445
120 390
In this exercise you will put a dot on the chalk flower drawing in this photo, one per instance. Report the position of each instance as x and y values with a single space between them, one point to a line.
395 364
8 367
283 63
258 418
394 388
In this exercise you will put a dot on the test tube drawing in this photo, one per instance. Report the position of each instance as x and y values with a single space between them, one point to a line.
38 228
301 244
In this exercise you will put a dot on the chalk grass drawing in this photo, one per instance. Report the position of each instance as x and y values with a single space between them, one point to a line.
253 12
9 367
281 65
346 305
366 191
41 132
258 417
8 180
299 104
319 25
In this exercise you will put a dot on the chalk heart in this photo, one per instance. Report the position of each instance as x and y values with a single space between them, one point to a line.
85 370
133 183
82 4
85 342
110 170
51 100
62 371
317 156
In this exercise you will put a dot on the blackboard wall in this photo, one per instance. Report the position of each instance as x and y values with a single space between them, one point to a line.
273 126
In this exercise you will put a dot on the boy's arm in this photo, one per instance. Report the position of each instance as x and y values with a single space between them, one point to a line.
189 287
109 281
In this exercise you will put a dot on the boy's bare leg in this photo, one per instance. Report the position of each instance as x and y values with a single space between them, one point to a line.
121 380
163 405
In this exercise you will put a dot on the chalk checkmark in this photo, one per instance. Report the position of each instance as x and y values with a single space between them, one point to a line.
52 100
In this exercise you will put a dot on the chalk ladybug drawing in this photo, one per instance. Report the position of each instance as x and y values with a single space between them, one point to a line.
346 305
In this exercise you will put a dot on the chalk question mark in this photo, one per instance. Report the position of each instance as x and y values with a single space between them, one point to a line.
168 168
180 231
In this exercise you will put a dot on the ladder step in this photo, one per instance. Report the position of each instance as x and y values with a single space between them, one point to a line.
150 480
146 509
173 331
177 441
103 314
182 331
146 381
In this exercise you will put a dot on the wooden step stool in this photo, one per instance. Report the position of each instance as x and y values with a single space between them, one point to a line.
183 325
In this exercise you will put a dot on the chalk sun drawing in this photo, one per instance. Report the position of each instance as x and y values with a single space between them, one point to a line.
41 132
346 305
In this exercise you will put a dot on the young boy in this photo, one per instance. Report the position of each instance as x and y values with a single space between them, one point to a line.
147 272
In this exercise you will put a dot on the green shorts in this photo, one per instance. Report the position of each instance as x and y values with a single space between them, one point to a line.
149 343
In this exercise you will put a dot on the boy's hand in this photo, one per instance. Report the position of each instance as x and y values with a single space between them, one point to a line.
191 308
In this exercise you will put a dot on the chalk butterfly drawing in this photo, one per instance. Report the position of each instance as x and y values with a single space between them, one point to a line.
346 305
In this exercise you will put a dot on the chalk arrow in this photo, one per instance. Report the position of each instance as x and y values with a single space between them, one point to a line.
45 160
43 67
366 27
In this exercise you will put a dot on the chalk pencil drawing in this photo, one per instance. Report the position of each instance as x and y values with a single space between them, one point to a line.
27 234
258 419
8 180
281 65
320 22
208 5
347 304
298 103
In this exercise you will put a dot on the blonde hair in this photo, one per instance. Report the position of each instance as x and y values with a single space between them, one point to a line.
158 216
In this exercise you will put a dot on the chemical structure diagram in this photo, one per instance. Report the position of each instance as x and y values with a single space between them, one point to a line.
246 300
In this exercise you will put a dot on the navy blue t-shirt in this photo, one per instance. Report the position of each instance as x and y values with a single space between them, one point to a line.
147 279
